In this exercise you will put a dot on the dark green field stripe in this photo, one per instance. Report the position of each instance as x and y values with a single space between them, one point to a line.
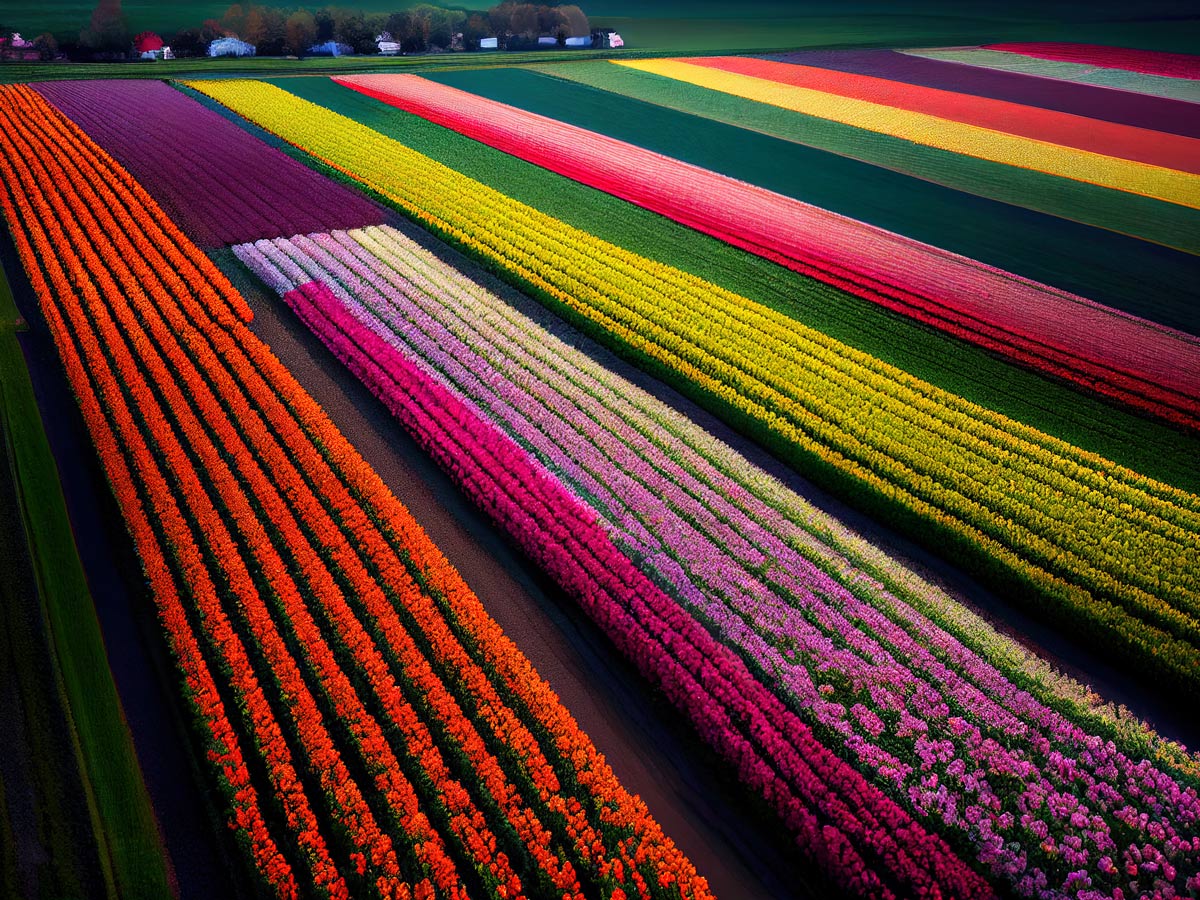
1153 449
1130 274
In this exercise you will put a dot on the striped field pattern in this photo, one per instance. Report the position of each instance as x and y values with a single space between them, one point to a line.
823 424
1153 368
1160 183
1120 79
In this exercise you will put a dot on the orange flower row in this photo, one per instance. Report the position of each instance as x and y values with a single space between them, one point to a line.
368 840
319 599
159 531
465 818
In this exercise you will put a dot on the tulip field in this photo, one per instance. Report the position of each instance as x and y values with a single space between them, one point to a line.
834 413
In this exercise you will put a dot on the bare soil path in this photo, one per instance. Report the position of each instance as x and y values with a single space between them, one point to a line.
200 852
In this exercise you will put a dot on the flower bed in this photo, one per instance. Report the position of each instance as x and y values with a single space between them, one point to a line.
1150 62
862 840
404 748
909 703
1159 183
1091 101
1145 145
1102 548
1148 366
218 183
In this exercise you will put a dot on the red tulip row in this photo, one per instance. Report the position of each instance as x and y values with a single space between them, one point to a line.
47 235
321 635
1100 349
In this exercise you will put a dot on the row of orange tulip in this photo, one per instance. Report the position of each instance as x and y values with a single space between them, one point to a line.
151 513
97 252
258 500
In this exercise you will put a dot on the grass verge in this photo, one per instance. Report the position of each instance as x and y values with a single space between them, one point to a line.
132 856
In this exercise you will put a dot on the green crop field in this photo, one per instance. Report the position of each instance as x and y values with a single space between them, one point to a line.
125 844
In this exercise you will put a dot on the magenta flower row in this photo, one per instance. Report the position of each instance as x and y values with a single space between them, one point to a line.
953 726
859 836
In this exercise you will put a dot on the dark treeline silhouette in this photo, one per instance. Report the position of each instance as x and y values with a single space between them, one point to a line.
295 31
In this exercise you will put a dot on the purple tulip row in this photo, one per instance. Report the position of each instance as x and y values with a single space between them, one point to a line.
914 707
860 836
220 184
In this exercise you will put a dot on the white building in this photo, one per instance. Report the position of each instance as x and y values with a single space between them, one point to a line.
387 46
230 46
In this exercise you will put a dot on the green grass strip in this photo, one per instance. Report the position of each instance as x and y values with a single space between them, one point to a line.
1130 214
131 851
274 66
1147 447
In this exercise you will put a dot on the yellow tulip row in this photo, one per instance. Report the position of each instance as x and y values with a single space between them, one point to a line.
1158 182
1075 527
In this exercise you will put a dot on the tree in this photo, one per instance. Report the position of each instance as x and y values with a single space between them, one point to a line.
300 32
443 23
351 27
108 30
477 28
550 20
254 27
525 22
324 20
576 20
234 20
500 19
409 30
210 30
264 29
189 42
374 23
46 45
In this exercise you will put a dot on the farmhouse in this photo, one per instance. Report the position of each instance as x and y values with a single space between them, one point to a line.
149 45
16 47
387 45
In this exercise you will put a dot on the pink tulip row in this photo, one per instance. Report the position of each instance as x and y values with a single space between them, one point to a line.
1099 348
862 839
919 712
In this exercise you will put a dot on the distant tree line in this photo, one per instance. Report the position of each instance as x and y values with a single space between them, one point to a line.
283 31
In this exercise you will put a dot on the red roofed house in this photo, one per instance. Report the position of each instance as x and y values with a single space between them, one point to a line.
149 45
